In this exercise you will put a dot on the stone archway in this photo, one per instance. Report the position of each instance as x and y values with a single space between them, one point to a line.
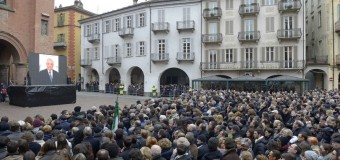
137 76
13 60
114 76
317 79
93 76
174 76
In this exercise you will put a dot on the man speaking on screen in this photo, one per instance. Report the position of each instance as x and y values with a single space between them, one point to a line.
49 76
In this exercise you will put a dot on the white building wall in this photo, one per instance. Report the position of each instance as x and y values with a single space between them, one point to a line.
152 71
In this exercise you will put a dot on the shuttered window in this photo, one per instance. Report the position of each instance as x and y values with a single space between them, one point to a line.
229 27
270 24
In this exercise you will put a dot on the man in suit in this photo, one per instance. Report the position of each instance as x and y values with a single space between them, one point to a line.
49 76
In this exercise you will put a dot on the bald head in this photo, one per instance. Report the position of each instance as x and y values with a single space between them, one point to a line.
103 155
156 150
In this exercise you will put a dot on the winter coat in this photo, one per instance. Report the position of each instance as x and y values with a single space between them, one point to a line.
230 154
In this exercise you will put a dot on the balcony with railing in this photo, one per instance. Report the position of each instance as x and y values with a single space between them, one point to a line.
159 27
159 57
212 38
60 45
253 65
85 62
185 26
337 27
317 60
185 56
115 60
249 36
289 6
126 32
94 38
289 34
212 13
249 9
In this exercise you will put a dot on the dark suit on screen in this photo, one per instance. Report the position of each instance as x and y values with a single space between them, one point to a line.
44 78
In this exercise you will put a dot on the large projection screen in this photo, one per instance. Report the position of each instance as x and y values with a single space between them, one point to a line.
47 69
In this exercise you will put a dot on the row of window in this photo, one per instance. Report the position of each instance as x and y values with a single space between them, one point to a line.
230 3
268 54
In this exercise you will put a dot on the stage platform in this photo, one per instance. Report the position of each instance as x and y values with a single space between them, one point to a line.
41 95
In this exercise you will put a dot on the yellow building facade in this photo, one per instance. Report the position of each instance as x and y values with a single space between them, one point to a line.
67 35
322 43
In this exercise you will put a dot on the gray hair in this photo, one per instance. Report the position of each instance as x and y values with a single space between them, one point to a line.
87 131
156 150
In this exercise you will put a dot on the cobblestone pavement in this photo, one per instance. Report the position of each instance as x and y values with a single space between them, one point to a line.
84 99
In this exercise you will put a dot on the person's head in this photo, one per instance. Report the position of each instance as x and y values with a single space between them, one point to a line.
151 141
49 64
274 155
336 154
3 141
213 144
156 151
29 155
127 141
23 146
79 156
103 155
288 156
62 141
181 149
113 149
87 131
258 133
12 147
146 152
49 145
246 155
135 154
325 149
28 136
310 155
295 149
302 136
336 141
229 143
164 143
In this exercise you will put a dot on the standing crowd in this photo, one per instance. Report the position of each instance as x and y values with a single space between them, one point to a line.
196 125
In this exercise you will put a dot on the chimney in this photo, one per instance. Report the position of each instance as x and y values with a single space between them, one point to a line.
135 2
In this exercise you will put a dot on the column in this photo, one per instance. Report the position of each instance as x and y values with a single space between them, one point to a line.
21 72
4 73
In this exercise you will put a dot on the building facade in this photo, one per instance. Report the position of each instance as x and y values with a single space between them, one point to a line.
322 34
25 26
67 35
259 38
227 38
149 43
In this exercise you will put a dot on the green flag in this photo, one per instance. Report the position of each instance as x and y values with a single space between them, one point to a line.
116 117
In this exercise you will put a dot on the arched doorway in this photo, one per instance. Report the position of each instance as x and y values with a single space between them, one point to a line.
114 76
317 79
136 86
173 82
137 76
13 60
93 76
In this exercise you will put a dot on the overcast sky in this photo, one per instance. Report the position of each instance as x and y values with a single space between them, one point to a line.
97 6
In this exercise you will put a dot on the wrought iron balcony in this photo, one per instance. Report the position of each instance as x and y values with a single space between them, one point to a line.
289 6
159 57
289 34
60 45
337 27
253 65
94 38
249 9
160 27
317 60
126 32
249 36
85 62
212 13
115 60
185 26
183 56
212 38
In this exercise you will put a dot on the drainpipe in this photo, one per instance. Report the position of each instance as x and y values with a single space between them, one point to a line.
201 38
150 36
333 43
304 42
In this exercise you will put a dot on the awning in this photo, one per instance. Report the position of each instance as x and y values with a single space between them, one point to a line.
212 79
287 78
247 78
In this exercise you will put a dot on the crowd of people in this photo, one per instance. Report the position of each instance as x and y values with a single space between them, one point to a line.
196 125
173 90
